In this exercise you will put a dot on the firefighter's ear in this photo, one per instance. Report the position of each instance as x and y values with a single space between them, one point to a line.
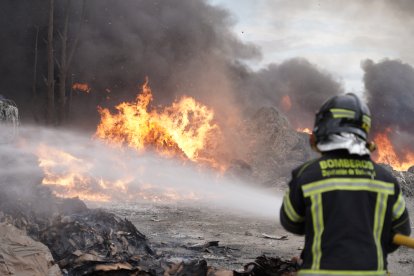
312 142
371 146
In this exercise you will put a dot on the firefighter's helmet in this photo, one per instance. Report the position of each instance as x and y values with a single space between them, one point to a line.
343 113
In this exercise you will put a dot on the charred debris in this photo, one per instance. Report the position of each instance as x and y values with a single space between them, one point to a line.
82 241
42 234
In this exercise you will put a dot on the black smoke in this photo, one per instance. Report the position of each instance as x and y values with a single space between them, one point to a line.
389 88
183 46
306 85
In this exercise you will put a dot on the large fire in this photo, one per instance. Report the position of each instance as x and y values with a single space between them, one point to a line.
386 153
185 128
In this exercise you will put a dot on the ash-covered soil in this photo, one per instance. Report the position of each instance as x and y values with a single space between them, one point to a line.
183 232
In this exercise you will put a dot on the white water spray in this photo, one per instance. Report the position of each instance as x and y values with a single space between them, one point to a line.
123 175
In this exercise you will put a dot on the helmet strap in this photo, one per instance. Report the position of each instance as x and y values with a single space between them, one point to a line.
312 142
371 146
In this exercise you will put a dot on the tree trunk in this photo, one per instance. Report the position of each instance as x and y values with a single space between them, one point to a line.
34 90
66 61
63 67
50 107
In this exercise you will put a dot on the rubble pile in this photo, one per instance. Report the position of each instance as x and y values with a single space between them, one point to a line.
405 179
93 241
275 148
83 241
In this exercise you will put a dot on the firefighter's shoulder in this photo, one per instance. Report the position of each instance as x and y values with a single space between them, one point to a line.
304 168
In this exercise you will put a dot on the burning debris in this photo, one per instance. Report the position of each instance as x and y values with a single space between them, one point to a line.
154 39
184 129
95 242
389 88
84 241
387 154
82 87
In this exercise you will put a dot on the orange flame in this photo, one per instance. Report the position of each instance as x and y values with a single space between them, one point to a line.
67 174
185 128
386 153
83 87
70 176
286 103
304 130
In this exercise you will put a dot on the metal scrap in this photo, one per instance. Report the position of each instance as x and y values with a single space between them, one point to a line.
279 238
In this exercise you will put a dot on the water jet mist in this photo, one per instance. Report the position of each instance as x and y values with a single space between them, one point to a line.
73 164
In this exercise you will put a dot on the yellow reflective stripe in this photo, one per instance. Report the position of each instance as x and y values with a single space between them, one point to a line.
341 110
380 207
384 201
305 166
401 223
289 210
398 208
366 123
350 184
305 272
317 221
366 119
342 113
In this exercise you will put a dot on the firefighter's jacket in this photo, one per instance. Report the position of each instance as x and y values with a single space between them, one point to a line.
348 208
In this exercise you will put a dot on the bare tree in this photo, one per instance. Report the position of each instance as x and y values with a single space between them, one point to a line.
34 90
50 107
66 59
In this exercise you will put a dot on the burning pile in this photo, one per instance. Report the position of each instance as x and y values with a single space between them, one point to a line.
185 128
71 173
387 154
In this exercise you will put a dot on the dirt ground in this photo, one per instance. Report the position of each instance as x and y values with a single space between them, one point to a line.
178 232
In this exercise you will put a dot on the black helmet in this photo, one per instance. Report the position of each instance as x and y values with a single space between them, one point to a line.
343 113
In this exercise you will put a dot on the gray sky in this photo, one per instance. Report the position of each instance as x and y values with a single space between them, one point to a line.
336 35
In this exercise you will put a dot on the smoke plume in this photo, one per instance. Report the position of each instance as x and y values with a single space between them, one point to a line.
389 88
305 84
184 47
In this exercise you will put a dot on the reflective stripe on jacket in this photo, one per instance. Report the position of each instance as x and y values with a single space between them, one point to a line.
348 208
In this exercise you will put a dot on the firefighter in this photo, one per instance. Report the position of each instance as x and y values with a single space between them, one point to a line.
348 207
